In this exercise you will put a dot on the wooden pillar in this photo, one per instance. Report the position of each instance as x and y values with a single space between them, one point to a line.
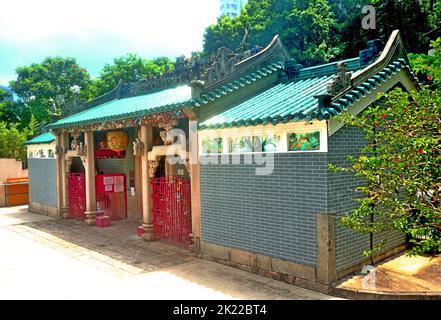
195 184
138 187
146 186
90 178
65 200
60 160
326 265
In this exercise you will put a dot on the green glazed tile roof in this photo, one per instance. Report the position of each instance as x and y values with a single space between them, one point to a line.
162 101
43 138
238 84
294 100
281 103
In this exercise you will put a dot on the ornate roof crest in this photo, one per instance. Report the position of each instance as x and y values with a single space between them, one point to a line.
223 65
341 81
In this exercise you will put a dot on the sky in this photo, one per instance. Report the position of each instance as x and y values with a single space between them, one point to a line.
96 31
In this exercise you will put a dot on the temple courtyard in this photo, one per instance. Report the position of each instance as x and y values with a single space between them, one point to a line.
50 258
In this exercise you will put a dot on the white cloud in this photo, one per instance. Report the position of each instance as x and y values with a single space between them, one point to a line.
48 27
138 20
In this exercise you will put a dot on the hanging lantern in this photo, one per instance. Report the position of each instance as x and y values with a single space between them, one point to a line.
117 140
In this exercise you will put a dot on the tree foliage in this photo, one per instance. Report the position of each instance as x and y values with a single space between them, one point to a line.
12 140
408 17
3 94
432 9
15 112
428 67
130 68
317 31
401 167
41 85
303 25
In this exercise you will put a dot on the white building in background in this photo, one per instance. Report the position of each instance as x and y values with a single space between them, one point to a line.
232 8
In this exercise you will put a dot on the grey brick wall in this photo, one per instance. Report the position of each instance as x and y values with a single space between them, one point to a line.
342 198
274 215
42 181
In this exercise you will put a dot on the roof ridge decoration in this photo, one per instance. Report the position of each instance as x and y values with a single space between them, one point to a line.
394 49
226 66
344 81
360 90
340 82
204 73
217 93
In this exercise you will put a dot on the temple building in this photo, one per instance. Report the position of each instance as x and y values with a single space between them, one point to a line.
227 158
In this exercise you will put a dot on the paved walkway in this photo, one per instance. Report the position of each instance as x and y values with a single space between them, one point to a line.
48 258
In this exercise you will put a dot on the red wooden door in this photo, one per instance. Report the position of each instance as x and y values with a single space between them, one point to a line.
172 209
77 195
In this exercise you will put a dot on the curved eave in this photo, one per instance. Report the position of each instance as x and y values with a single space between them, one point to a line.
36 143
44 138
177 107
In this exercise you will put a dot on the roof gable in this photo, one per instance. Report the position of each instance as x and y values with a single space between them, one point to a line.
316 92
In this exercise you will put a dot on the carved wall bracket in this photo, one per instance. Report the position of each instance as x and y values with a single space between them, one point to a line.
153 165
138 147
77 145
167 126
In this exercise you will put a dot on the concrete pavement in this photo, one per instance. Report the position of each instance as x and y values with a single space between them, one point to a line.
46 258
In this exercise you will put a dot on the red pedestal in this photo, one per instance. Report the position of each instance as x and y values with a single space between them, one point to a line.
139 231
103 221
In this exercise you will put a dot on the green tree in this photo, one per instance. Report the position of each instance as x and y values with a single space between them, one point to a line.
303 25
432 8
15 112
11 141
316 31
428 67
130 68
405 15
401 167
308 31
347 30
41 85
227 32
3 94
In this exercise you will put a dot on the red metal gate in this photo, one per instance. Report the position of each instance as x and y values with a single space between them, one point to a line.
77 195
111 196
172 209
